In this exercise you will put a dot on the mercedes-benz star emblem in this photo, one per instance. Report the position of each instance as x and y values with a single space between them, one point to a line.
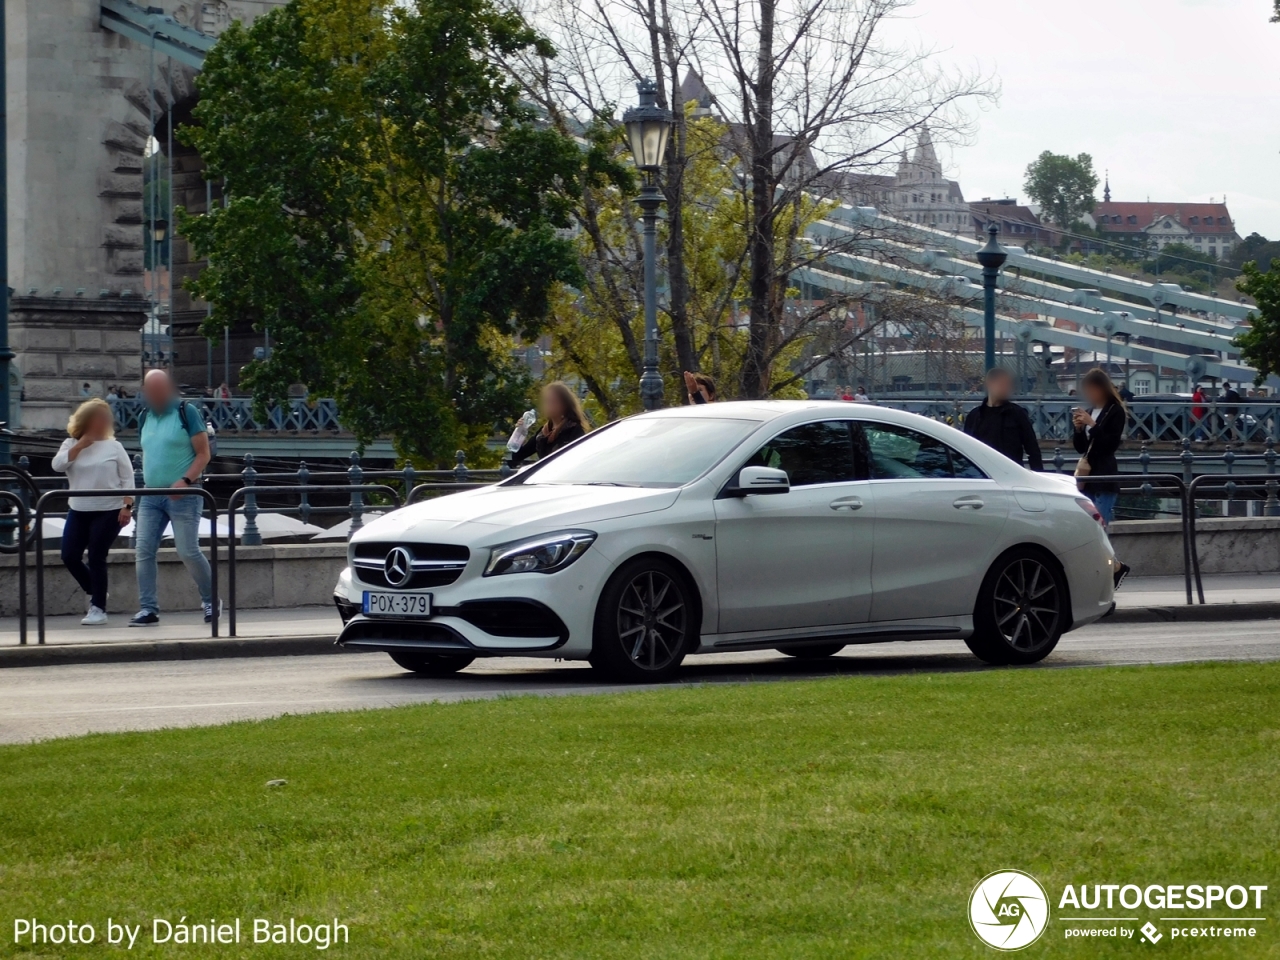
398 567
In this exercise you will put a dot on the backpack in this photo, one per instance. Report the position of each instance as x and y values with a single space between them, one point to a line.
189 410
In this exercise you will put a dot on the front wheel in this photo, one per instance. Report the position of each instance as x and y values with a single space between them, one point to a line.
645 622
1022 609
432 664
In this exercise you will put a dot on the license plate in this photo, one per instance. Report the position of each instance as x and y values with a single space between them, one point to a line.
378 604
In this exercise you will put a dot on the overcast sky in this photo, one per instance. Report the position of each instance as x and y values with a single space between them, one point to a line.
1178 98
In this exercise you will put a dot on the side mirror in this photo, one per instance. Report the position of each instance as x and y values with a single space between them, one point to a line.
754 480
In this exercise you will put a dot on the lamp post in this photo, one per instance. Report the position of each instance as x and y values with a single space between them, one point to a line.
648 127
6 354
992 258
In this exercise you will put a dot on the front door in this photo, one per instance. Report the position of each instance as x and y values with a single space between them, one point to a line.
938 523
801 558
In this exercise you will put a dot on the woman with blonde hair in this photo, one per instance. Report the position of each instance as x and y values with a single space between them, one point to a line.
93 459
565 423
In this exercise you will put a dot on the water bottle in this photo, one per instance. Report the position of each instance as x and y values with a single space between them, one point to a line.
521 433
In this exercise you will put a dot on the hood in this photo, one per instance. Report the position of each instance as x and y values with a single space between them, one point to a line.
516 510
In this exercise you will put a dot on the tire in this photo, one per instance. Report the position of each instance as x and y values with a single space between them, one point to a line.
1022 609
432 664
815 652
645 623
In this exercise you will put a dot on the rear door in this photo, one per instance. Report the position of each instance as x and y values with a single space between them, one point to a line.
938 524
801 558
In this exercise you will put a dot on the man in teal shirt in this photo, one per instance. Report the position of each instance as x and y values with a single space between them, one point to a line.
175 451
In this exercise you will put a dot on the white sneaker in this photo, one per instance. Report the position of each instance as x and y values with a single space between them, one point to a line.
95 617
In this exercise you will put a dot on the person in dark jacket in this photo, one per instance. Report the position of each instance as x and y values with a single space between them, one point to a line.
564 423
1003 425
1099 431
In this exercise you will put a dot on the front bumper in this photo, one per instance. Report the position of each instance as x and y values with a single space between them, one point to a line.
529 614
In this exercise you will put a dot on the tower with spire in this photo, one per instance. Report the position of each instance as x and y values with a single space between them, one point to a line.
1106 188
921 193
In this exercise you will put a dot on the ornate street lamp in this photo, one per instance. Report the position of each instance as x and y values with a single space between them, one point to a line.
648 128
992 258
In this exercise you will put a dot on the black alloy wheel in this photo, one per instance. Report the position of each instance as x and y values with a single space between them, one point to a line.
1022 609
433 664
644 623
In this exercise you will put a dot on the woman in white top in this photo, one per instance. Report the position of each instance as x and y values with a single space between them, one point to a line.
93 459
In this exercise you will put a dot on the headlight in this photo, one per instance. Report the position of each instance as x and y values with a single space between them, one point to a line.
545 554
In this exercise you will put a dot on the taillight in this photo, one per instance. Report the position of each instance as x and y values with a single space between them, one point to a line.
1088 507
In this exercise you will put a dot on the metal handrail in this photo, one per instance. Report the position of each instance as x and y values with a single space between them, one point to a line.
1264 481
29 483
24 517
424 488
240 494
1140 481
135 492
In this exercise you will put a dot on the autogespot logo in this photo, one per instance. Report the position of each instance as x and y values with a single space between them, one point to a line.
1008 910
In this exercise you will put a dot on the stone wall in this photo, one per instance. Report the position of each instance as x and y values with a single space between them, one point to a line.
1153 548
289 575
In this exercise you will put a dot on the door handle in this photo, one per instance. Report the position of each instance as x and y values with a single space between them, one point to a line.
846 503
972 503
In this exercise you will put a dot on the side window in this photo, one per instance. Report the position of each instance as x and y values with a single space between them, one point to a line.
965 469
810 453
899 453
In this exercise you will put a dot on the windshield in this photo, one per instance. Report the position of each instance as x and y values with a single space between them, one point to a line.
645 452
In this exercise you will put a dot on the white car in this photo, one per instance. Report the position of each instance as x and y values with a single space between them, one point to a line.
800 526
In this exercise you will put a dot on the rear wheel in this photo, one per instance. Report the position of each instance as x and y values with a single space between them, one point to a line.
815 652
645 622
433 664
1021 611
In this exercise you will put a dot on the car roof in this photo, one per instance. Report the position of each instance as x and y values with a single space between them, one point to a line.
768 410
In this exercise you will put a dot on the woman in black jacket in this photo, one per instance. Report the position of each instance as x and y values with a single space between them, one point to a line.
565 423
1099 431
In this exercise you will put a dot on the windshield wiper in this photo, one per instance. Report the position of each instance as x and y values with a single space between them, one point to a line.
609 483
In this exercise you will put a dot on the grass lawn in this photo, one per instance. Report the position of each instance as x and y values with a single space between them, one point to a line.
835 818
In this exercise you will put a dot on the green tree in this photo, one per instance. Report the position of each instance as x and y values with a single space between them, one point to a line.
1257 248
1260 344
1062 185
395 215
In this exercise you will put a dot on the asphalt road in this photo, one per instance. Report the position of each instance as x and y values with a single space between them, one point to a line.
42 702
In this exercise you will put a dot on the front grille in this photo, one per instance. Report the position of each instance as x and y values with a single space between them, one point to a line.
434 564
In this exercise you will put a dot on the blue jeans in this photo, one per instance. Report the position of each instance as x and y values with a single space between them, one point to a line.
1106 504
153 514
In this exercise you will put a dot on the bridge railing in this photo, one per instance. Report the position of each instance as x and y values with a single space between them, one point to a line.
1246 422
237 415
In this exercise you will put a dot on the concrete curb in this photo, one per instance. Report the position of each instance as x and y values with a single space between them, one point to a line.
1197 613
224 647
33 655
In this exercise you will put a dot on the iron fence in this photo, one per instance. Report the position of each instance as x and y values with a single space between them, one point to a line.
135 492
249 496
20 548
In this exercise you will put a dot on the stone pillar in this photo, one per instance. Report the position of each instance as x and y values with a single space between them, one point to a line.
82 103
65 342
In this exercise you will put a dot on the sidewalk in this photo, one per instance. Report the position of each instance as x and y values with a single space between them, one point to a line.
178 636
311 630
